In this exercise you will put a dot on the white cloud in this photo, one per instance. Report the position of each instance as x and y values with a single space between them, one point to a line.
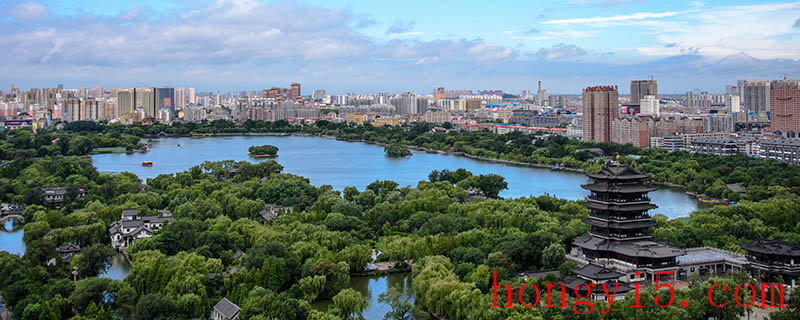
406 34
634 16
29 11
489 52
560 51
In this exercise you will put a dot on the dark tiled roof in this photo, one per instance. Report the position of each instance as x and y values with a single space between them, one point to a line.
68 248
643 248
227 308
619 206
598 273
130 212
773 247
618 188
619 225
615 171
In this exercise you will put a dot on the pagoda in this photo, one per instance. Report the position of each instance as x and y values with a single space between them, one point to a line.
619 237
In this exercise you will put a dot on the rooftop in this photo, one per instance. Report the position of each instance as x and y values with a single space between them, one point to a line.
773 247
227 308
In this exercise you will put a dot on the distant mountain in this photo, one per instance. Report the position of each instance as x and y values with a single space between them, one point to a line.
738 60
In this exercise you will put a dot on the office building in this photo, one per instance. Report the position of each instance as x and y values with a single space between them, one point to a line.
180 98
599 112
649 105
148 102
125 102
192 96
642 88
294 91
439 93
755 96
732 103
785 103
165 99
318 95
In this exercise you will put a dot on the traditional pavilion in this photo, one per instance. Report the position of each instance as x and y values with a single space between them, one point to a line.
619 238
774 258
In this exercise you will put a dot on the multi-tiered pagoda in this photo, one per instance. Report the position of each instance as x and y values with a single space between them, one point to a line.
619 237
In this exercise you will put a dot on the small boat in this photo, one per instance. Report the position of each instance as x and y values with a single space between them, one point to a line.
147 163
713 201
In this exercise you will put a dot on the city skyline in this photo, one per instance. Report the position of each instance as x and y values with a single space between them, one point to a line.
366 47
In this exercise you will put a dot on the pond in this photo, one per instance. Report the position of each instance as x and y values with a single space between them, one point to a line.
371 287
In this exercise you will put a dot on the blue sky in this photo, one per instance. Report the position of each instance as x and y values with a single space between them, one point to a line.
366 46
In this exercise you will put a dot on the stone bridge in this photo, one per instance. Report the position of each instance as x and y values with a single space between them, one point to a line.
4 218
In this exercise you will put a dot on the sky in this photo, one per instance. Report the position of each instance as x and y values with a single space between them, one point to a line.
411 45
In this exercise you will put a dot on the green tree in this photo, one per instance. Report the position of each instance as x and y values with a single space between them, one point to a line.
349 304
399 302
93 260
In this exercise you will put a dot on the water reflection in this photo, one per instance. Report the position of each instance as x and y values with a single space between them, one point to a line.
11 237
120 268
372 287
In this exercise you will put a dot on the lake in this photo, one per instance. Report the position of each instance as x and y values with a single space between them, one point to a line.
341 164
372 287
11 241
11 237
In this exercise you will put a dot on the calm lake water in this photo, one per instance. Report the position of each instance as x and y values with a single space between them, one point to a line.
11 241
342 164
11 237
372 287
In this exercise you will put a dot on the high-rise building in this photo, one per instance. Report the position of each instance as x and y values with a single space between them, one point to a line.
785 103
649 106
689 99
318 94
148 99
641 88
192 96
90 109
439 94
732 102
97 92
405 103
294 91
755 95
72 109
165 99
180 98
125 102
599 112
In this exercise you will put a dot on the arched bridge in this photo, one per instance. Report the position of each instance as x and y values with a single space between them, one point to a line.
17 217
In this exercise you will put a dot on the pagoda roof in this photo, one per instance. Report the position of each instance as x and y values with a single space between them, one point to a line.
618 171
603 186
641 248
773 247
620 225
596 272
634 206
